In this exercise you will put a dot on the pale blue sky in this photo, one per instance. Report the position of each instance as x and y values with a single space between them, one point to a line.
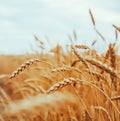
19 20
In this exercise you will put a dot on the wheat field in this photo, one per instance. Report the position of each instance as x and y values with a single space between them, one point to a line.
77 85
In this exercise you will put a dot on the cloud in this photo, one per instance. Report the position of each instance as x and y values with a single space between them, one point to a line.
19 20
8 11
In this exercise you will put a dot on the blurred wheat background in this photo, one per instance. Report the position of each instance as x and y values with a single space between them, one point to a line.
69 80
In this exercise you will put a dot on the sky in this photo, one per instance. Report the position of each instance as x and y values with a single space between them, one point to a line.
53 21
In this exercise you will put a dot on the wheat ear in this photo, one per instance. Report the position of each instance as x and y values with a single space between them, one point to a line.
113 56
97 63
92 18
103 66
93 43
75 35
98 75
117 28
82 47
116 35
102 37
60 85
23 67
71 80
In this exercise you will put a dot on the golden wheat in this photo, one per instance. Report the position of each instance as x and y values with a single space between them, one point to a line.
60 85
82 47
104 110
61 88
117 28
92 18
23 67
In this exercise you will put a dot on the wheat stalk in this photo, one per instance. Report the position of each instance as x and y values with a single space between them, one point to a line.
81 59
74 62
102 37
106 57
113 61
4 95
104 110
98 75
33 87
116 98
23 89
